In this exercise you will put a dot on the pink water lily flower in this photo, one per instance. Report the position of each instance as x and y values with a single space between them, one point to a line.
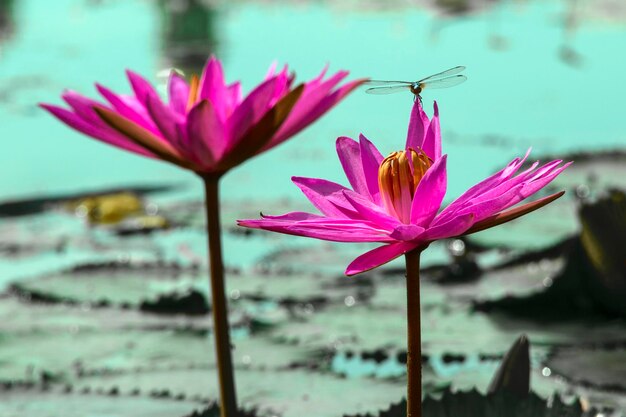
206 125
396 200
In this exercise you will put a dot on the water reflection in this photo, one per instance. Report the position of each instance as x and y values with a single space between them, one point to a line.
571 22
187 32
7 24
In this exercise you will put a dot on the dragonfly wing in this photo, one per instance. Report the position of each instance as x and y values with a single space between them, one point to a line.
388 89
443 83
446 73
378 83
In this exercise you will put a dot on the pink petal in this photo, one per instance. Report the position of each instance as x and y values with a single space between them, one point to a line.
121 105
83 107
429 193
483 186
370 211
104 134
512 214
234 97
206 133
212 86
326 196
432 141
251 110
142 88
165 119
281 87
292 216
348 231
379 256
271 71
349 153
278 221
418 124
370 160
539 183
310 99
311 225
454 227
407 232
488 207
315 113
504 199
178 91
498 189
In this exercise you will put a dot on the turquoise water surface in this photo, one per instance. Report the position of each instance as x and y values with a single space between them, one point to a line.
544 74
520 92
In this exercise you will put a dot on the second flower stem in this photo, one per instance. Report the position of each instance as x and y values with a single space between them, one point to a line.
414 347
228 397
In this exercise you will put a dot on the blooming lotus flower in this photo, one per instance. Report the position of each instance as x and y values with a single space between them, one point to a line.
396 200
206 125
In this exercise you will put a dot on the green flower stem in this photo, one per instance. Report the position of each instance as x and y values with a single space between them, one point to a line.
414 348
228 397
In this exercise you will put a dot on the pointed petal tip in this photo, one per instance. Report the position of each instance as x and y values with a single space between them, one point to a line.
342 139
363 138
47 106
350 272
378 256
131 74
512 214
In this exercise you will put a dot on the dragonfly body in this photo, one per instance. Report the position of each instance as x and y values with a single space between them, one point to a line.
443 79
416 88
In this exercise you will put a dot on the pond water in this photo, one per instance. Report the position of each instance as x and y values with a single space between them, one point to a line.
541 73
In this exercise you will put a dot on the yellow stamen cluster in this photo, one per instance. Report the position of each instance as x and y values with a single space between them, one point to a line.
398 177
193 91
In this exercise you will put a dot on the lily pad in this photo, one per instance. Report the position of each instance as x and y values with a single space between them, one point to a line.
475 404
19 402
289 393
599 367
23 317
112 283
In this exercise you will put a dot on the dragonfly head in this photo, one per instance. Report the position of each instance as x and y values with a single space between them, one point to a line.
416 89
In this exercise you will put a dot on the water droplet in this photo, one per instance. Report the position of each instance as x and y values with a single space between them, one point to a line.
532 268
582 191
349 301
123 258
546 371
457 247
246 359
308 309
81 211
235 294
547 282
545 264
152 209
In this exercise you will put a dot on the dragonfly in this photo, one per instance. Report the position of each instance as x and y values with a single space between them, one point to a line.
444 79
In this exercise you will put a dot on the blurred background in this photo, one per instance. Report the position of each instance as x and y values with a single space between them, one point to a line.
102 253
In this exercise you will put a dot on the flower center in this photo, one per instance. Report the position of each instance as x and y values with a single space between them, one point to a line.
398 176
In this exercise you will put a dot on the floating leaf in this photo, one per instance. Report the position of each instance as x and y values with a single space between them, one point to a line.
45 402
292 393
475 404
601 367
